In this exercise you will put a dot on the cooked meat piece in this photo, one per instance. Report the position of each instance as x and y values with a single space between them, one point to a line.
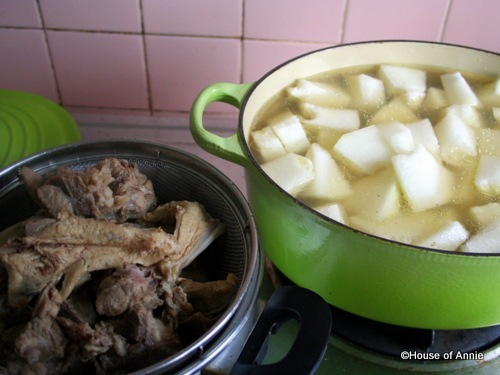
40 344
91 342
113 189
36 224
82 245
126 289
210 297
54 200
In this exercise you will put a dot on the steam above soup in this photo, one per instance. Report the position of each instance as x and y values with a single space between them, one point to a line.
406 153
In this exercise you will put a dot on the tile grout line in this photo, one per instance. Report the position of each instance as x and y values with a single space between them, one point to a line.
445 20
49 52
145 60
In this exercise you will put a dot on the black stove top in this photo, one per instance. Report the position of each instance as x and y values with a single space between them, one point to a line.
392 340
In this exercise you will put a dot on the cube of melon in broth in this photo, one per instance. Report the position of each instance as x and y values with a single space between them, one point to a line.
434 99
394 110
367 92
292 135
424 181
456 139
485 214
487 178
485 240
329 182
495 111
449 237
489 94
291 172
375 197
405 82
423 134
363 151
398 136
319 93
267 145
407 227
334 211
468 114
457 89
342 120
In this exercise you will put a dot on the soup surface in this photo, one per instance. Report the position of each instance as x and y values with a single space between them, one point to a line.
406 153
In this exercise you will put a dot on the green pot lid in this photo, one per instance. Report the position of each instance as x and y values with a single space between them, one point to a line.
30 123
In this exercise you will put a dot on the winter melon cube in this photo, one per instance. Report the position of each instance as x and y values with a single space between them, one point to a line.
363 150
457 89
489 94
334 211
394 110
343 120
488 141
408 227
398 136
424 181
291 172
327 138
423 134
329 182
485 214
367 92
403 81
319 93
484 240
495 111
267 145
487 178
449 237
292 135
376 197
435 98
468 114
457 140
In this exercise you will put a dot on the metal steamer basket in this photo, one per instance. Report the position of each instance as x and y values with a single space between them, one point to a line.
175 176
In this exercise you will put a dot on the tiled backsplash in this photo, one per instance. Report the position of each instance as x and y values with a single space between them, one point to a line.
151 57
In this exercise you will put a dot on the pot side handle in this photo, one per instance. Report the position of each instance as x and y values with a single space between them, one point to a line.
228 148
306 353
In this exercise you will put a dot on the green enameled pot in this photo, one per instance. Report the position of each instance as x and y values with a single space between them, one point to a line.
374 278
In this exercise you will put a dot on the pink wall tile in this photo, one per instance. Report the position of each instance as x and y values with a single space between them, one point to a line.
294 20
23 13
259 57
474 23
25 63
102 15
394 19
100 70
180 67
193 17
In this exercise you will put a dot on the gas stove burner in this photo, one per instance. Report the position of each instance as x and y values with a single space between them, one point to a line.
392 340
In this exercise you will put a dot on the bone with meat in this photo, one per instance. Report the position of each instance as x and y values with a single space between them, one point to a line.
73 245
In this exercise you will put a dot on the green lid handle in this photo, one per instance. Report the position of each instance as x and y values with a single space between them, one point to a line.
228 148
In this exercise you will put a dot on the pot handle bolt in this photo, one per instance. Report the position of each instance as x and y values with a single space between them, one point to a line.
306 353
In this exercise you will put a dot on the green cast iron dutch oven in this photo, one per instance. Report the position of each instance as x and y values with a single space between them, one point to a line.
369 276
